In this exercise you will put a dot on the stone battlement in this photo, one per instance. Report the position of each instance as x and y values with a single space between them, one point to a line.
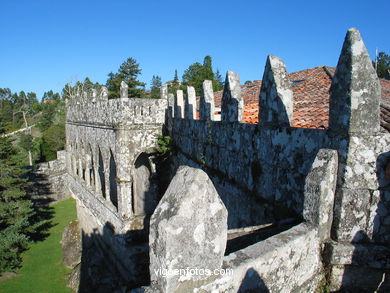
115 112
331 181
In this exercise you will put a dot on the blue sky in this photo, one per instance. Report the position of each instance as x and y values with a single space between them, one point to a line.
45 44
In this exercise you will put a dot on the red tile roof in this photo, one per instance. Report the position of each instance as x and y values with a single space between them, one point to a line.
311 98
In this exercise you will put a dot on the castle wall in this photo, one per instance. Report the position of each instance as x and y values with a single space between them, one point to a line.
256 170
104 139
261 172
51 180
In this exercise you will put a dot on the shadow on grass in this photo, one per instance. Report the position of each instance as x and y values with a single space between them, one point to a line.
41 195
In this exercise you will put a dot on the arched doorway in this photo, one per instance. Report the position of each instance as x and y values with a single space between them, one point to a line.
143 195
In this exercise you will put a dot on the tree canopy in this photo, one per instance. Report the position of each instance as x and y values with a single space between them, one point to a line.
155 87
196 73
127 72
16 210
383 65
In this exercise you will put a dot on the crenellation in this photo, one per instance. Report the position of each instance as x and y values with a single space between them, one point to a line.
232 102
190 105
355 92
179 104
206 101
276 96
124 90
329 185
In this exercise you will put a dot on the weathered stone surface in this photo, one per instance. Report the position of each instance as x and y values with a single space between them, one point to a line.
232 102
164 92
104 93
358 279
50 180
74 278
320 186
94 95
116 112
259 172
124 90
71 245
171 105
190 106
187 230
276 96
287 262
350 214
367 255
179 105
206 102
355 92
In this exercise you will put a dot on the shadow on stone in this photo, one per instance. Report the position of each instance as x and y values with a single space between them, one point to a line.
101 270
252 283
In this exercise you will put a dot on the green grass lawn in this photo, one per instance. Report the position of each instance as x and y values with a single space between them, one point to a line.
42 269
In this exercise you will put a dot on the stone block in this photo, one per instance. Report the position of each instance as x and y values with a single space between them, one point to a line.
320 186
188 230
350 215
358 162
366 255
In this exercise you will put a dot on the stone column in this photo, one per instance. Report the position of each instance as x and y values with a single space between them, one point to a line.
123 170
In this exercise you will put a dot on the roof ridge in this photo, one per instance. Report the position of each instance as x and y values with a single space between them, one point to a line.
326 69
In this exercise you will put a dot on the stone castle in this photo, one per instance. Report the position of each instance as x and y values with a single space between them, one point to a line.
285 209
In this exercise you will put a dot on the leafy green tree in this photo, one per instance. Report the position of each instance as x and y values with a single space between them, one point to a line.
155 87
32 98
26 143
47 116
50 95
6 107
196 73
383 65
53 140
16 211
128 72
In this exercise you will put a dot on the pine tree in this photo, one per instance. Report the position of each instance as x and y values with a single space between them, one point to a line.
16 211
383 65
196 73
128 72
155 86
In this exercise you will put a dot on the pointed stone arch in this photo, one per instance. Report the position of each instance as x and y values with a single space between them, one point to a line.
141 188
101 173
91 166
112 181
